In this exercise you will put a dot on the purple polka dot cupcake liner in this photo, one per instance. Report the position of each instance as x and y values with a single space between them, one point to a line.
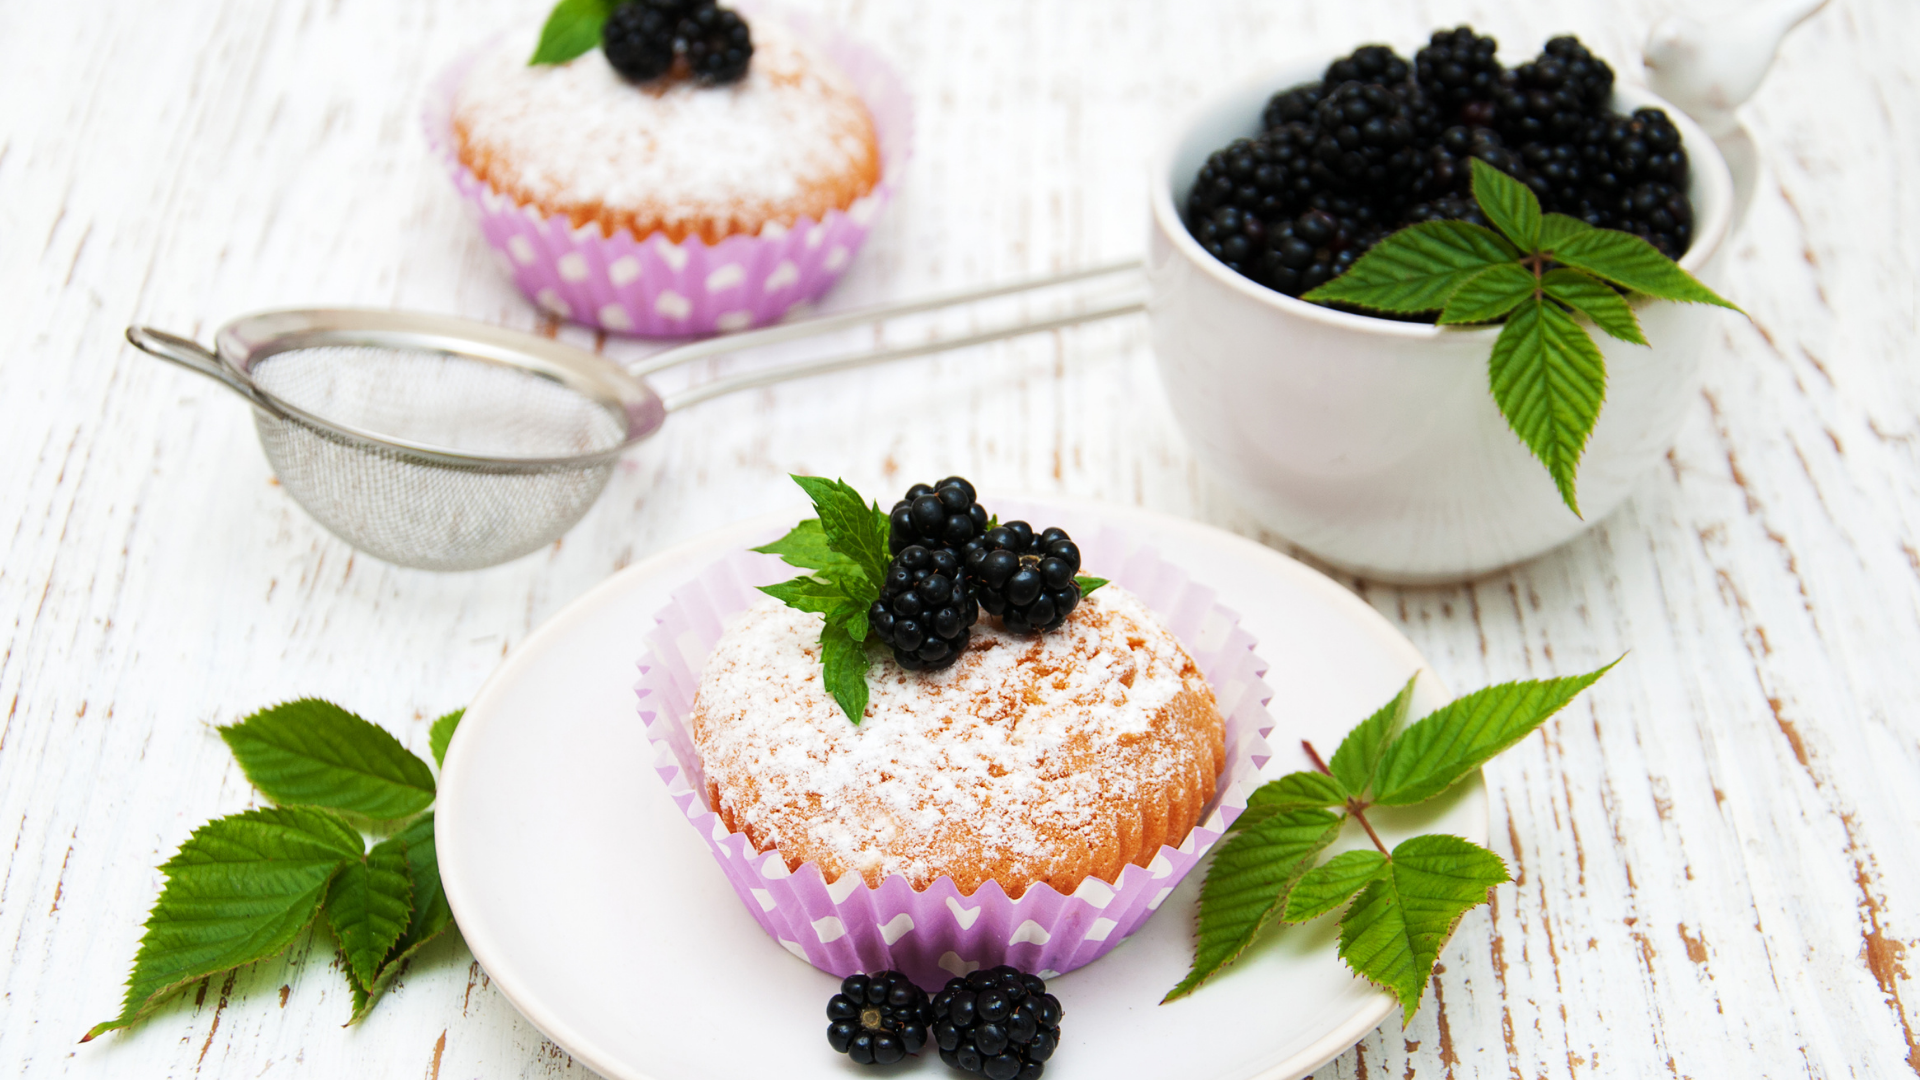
932 934
649 286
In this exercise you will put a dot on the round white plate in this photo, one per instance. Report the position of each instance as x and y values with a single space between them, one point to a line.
600 914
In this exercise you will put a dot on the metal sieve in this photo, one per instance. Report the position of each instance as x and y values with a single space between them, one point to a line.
445 444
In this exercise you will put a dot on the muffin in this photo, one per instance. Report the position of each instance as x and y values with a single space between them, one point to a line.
674 207
1033 759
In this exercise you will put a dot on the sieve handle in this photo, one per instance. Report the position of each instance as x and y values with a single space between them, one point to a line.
197 358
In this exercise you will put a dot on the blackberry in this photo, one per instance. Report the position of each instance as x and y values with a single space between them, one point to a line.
718 44
1425 114
1561 174
944 515
1447 208
1446 169
638 37
1586 76
1293 106
1457 68
927 608
1368 64
1025 579
997 1022
1659 214
1366 139
1551 98
1311 249
878 1019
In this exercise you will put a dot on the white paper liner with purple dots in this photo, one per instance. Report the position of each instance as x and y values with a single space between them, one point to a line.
845 926
651 287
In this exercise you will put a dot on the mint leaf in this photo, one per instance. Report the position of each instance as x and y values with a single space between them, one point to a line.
806 547
1596 300
1453 741
1247 885
1393 933
1294 791
807 593
1360 752
1417 268
1631 262
314 753
369 905
431 915
1557 229
1088 583
1549 379
572 29
238 891
1331 884
1509 204
844 670
1489 294
442 734
851 616
852 526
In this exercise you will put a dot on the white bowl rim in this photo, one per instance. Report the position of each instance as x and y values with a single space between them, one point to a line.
1713 214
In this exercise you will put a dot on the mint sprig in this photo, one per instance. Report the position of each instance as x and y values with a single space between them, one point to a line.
572 29
845 547
1401 905
1536 272
242 887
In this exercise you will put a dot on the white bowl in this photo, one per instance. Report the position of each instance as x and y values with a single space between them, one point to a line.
1376 445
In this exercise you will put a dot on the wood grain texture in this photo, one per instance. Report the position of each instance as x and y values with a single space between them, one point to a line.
1711 847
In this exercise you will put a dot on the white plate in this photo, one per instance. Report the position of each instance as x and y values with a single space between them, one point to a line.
600 914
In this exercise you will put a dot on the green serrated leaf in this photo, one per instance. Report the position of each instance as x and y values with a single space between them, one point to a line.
1088 583
805 546
851 617
852 526
1247 885
1549 380
1597 300
844 670
572 29
1360 752
315 753
369 905
1488 295
1394 932
1446 746
1631 262
1557 229
1512 207
239 890
1332 884
1417 268
441 735
431 915
808 593
1294 791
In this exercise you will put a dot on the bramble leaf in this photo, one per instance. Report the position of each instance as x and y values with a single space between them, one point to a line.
430 917
239 890
1448 744
1549 380
852 527
1631 262
844 670
572 29
369 905
805 546
1294 791
1360 752
1088 583
1394 932
807 593
1417 268
314 753
441 735
1557 229
1512 207
1489 294
1332 883
1596 300
1247 885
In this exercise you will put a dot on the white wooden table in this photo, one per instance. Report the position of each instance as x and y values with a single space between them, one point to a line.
1713 847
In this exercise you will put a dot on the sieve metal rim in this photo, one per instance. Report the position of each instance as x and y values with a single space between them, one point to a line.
252 339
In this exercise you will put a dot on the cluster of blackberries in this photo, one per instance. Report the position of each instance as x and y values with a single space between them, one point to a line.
1379 143
947 565
998 1023
643 38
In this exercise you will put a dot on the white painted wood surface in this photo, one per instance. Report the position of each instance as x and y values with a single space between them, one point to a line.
1712 846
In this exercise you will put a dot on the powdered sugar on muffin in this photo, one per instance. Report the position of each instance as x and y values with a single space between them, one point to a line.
1031 759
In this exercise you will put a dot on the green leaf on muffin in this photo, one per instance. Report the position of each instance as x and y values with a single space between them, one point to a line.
845 548
572 29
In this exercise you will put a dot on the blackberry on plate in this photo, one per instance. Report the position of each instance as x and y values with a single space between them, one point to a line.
1369 64
1366 138
1025 579
998 1023
878 1019
718 44
944 515
1458 67
927 608
638 37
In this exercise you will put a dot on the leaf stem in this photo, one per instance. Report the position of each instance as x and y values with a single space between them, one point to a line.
1314 756
1354 806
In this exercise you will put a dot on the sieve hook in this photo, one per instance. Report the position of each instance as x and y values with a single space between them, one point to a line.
197 358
